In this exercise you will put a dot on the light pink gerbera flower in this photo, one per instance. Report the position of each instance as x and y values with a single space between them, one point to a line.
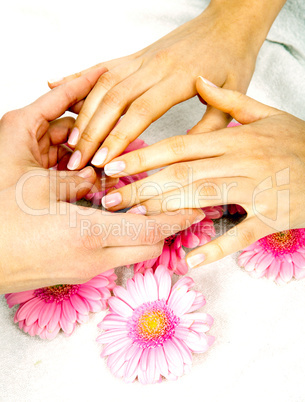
173 255
96 198
279 256
45 311
150 332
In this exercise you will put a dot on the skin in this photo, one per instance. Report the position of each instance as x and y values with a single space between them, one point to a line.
41 238
221 44
259 165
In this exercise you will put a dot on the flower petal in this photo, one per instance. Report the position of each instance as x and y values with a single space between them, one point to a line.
120 307
117 345
46 314
125 296
163 280
79 304
68 311
111 336
286 271
18 298
88 292
54 321
173 357
150 286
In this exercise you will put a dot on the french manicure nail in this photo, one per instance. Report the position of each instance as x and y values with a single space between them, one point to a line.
139 210
195 260
114 168
85 173
74 160
53 81
208 82
73 138
99 157
111 200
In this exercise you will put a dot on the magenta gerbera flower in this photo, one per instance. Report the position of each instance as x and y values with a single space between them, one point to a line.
45 311
96 198
150 331
173 255
279 256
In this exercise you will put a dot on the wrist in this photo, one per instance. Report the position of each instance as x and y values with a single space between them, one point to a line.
248 21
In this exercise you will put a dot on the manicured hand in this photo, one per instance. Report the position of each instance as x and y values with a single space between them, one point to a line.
259 165
143 86
45 240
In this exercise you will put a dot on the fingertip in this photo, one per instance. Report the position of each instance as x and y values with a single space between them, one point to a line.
195 260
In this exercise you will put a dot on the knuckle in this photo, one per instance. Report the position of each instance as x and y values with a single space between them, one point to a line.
87 137
9 117
162 55
156 250
152 235
107 81
92 242
177 145
119 135
113 98
142 107
180 171
141 158
246 237
217 251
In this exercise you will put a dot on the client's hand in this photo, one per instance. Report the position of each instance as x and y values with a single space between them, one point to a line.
259 165
220 44
44 240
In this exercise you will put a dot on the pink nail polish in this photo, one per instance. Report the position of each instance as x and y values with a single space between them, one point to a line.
208 82
73 138
99 157
114 168
85 173
139 210
111 200
74 160
195 260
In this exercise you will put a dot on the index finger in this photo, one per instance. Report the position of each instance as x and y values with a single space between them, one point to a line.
54 103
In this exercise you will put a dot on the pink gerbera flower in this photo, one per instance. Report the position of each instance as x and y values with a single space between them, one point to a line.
45 311
96 198
150 332
235 209
173 255
279 256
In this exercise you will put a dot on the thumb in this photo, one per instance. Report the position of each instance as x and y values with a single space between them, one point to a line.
72 186
235 239
242 108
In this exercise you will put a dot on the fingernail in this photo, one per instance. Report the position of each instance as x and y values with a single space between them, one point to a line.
53 80
114 168
139 210
74 160
111 200
85 173
99 157
73 138
208 82
195 260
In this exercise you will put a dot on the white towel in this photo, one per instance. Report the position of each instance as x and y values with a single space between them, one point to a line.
259 354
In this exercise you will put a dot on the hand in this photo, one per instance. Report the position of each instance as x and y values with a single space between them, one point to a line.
44 240
221 44
260 166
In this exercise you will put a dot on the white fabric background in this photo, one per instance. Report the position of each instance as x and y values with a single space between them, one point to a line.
259 353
